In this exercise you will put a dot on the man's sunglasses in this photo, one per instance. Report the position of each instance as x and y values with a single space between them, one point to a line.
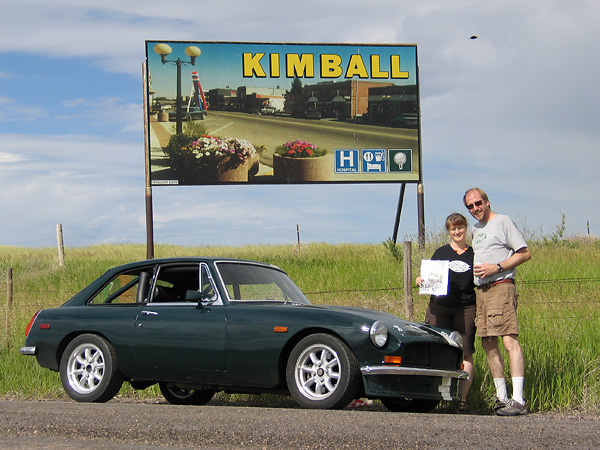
478 203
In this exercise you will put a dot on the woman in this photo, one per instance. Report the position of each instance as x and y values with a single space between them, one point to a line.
456 310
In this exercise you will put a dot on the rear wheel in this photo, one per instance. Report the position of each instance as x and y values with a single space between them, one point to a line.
178 396
89 371
416 405
322 373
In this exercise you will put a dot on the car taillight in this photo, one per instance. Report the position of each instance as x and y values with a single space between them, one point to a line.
30 324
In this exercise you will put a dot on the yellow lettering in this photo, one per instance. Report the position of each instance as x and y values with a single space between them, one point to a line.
300 65
356 66
274 65
396 72
331 66
251 65
376 68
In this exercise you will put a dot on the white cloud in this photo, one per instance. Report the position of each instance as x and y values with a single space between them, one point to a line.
514 111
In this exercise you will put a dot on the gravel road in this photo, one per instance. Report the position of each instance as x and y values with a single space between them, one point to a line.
125 425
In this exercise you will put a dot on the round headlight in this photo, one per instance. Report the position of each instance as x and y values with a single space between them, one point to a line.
456 337
378 334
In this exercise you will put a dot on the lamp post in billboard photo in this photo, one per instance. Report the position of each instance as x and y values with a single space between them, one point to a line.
193 52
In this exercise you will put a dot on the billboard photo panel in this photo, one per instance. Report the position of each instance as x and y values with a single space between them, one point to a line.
273 113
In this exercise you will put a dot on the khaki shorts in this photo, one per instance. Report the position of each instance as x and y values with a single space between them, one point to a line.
497 310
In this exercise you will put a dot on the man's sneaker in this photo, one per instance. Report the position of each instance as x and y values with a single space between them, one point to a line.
498 404
513 408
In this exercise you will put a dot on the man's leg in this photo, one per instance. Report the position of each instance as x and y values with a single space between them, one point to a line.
494 357
496 365
517 365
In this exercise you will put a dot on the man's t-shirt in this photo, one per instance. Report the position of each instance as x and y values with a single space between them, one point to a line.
495 241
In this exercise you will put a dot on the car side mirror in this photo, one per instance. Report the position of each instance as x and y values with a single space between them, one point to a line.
193 296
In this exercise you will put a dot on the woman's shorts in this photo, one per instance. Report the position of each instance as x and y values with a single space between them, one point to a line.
458 318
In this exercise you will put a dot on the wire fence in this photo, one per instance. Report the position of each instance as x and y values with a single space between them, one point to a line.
24 293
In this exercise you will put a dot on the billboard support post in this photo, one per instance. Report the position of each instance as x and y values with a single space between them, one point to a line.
399 211
421 213
148 190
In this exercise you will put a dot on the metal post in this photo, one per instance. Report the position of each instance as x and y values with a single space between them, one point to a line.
149 214
421 212
398 212
178 124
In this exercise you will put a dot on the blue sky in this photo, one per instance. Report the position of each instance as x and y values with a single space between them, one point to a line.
514 111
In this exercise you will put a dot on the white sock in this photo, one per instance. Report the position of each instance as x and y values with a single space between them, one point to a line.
500 384
517 385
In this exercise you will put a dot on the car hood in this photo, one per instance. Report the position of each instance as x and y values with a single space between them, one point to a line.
395 324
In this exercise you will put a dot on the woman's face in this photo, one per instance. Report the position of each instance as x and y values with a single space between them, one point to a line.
457 232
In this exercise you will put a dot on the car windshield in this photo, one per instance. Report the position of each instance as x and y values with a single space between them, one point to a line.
251 282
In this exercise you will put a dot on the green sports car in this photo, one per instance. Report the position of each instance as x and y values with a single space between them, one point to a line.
197 326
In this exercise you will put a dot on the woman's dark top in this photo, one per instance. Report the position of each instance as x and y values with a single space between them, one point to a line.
461 288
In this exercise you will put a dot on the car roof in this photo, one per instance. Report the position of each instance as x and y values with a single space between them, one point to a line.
184 259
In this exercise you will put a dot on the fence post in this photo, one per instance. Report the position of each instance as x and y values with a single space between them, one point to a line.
409 307
61 247
9 302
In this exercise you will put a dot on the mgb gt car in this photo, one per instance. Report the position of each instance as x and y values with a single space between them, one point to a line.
197 326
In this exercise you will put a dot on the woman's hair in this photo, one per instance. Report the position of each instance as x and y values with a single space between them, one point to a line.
456 219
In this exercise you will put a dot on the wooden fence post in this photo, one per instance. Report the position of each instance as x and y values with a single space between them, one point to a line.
409 307
61 247
9 302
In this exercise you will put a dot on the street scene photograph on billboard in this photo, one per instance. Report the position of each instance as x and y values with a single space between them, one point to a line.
278 113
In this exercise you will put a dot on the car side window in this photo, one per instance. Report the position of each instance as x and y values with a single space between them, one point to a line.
129 287
176 283
208 291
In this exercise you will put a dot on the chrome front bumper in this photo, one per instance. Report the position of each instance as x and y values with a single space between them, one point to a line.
395 370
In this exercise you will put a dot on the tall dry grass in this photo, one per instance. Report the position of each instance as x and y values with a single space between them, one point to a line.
558 290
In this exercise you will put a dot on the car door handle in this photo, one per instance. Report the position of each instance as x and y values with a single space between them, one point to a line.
149 313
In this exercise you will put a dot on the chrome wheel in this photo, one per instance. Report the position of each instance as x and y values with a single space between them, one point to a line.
85 368
322 373
317 372
88 370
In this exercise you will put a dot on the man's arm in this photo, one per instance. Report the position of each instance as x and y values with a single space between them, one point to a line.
488 269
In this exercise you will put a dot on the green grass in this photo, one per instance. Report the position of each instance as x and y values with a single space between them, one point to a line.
558 307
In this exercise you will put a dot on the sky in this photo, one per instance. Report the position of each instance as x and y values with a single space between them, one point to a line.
514 112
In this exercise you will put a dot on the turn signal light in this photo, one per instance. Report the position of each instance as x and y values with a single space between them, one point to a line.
390 359
280 329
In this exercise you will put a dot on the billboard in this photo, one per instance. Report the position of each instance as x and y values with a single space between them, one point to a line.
274 113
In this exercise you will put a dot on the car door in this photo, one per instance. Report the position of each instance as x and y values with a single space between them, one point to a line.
176 335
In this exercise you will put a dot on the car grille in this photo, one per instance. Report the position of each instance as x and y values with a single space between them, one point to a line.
437 356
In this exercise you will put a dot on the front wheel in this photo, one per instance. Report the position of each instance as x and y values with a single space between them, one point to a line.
89 371
322 373
415 405
178 396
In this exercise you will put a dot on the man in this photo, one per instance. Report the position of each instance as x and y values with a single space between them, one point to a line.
499 248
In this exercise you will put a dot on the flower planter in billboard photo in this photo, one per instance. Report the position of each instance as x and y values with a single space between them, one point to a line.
300 161
209 159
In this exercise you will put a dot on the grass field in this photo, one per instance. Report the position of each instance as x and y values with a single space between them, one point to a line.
558 289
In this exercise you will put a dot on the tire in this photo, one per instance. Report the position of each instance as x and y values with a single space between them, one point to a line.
322 373
178 396
414 405
89 370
